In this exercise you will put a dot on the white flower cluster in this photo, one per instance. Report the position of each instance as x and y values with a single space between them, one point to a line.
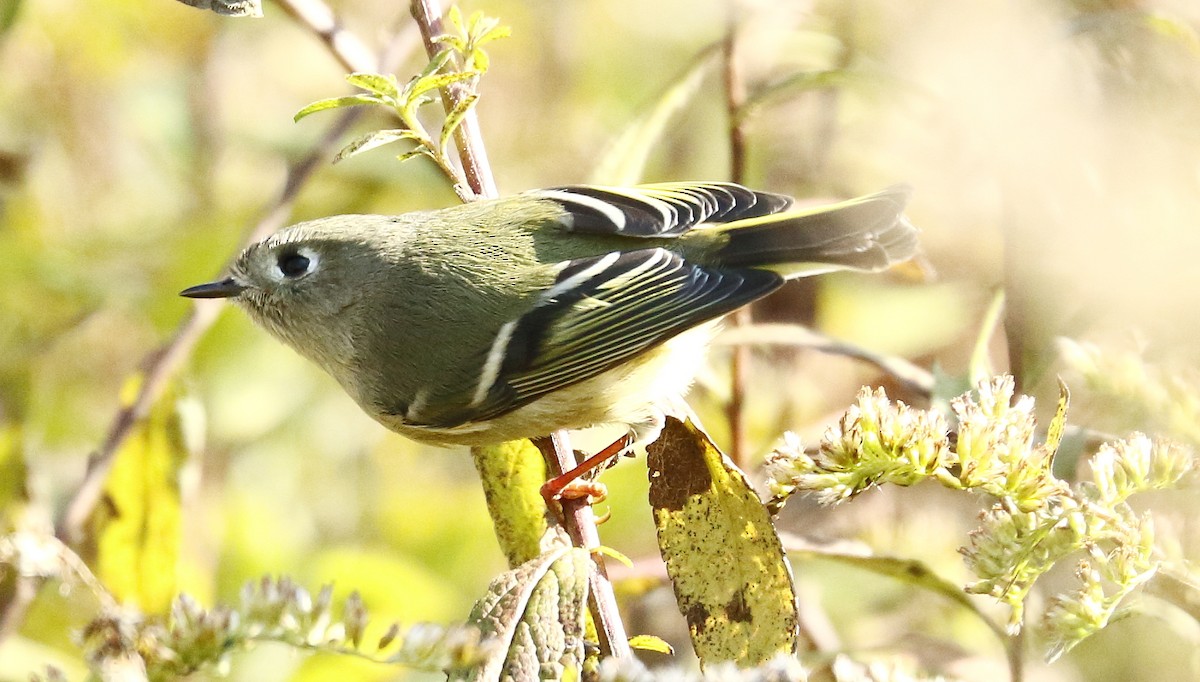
1036 520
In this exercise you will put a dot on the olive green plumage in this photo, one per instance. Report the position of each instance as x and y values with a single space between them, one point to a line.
552 309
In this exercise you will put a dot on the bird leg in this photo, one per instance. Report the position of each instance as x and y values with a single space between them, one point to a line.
567 484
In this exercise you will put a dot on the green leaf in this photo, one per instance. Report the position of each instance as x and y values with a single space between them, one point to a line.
494 34
512 474
488 30
454 17
408 112
435 65
731 577
910 571
479 62
479 24
381 84
137 526
419 151
538 613
375 139
651 643
452 42
337 102
625 161
455 119
440 81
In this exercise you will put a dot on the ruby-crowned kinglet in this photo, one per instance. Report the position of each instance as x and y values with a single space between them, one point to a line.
554 309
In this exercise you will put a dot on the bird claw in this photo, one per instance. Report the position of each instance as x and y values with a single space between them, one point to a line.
571 486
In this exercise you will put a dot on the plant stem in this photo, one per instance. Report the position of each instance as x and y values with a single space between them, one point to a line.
473 155
580 523
913 378
1015 652
739 360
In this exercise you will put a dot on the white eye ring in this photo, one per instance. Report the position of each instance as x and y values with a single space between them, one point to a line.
294 263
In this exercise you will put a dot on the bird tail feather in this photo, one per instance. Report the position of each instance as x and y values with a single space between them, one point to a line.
869 233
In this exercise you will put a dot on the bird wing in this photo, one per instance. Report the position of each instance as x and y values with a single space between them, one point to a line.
660 210
601 311
867 233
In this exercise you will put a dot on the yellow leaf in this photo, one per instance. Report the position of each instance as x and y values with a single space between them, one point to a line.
1058 425
731 577
610 552
136 526
650 643
512 474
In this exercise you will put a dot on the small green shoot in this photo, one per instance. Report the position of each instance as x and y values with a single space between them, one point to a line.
459 64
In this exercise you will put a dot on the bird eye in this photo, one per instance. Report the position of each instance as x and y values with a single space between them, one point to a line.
293 264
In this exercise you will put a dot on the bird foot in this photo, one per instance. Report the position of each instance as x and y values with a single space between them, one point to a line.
569 485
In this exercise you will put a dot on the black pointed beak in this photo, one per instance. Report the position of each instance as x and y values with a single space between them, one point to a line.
225 288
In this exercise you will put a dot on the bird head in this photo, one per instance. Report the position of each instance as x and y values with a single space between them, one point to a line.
303 282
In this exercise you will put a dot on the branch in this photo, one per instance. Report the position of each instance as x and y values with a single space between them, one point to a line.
352 53
916 379
162 364
580 522
473 155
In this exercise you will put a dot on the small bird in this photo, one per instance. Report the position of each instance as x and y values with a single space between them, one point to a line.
558 308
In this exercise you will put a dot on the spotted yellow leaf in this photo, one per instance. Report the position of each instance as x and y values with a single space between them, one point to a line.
731 578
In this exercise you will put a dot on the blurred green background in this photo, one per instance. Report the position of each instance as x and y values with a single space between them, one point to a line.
1054 149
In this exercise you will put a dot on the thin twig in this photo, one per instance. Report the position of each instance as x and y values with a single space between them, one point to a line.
473 155
735 98
346 47
162 364
912 377
739 361
580 523
1014 651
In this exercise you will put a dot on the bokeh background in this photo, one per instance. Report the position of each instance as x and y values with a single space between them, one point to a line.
1054 150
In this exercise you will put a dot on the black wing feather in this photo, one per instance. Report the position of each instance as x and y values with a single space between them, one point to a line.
642 299
659 210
